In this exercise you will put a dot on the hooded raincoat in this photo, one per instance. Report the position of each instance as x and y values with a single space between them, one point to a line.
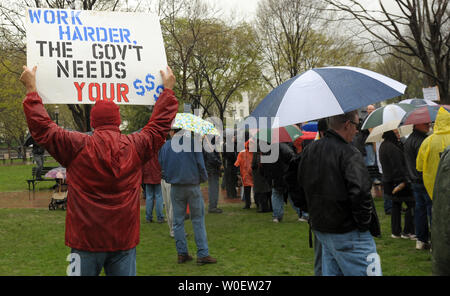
429 152
104 173
244 162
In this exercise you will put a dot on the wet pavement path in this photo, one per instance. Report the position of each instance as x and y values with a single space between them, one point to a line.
41 199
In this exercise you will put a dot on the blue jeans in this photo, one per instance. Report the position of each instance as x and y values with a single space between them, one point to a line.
350 254
422 211
370 157
213 190
297 210
181 196
277 204
153 193
119 263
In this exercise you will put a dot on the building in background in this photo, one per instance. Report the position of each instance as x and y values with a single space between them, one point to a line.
237 111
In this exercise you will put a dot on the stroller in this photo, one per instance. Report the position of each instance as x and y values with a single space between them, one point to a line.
59 198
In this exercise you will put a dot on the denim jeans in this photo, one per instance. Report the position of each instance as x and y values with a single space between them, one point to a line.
153 193
213 190
277 204
350 254
119 263
297 210
181 196
370 157
422 211
39 159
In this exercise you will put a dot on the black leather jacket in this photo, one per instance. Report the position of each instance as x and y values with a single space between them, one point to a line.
335 187
212 161
275 172
411 148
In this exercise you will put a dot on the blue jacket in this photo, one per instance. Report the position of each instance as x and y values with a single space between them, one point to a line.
182 167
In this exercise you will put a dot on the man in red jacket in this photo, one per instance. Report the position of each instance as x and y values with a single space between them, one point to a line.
104 175
151 179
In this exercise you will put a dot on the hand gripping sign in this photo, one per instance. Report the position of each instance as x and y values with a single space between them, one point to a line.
85 56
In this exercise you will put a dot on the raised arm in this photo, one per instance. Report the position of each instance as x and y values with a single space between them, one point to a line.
61 144
153 135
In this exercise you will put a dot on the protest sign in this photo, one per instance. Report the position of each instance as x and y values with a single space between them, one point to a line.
84 56
431 93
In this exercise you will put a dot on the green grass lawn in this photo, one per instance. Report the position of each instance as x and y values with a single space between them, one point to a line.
245 243
13 177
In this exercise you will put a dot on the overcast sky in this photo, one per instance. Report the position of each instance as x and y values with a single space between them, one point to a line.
247 8
243 8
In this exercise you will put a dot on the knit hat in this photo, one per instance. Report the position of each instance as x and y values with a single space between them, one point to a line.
105 113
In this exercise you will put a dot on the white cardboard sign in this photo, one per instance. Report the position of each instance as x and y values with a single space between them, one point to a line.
431 93
84 56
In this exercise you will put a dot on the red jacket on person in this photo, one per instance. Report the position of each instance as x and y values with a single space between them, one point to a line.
244 162
104 173
151 172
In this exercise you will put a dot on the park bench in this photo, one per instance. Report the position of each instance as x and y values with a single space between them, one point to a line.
34 180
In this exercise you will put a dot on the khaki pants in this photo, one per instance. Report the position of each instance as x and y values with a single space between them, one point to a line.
165 187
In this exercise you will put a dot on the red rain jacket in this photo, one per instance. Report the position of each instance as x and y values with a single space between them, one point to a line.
244 162
104 173
151 173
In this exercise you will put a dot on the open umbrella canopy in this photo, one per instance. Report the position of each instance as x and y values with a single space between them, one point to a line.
376 135
324 92
57 173
385 114
193 123
279 135
422 114
418 102
310 126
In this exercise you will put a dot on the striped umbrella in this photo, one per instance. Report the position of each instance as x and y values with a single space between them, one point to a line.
385 114
418 102
422 114
324 92
279 135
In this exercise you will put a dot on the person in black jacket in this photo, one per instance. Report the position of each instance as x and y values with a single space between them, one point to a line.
275 173
335 191
38 156
213 165
396 184
231 172
422 212
261 187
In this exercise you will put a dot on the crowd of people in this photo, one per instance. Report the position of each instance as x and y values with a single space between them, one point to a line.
105 184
